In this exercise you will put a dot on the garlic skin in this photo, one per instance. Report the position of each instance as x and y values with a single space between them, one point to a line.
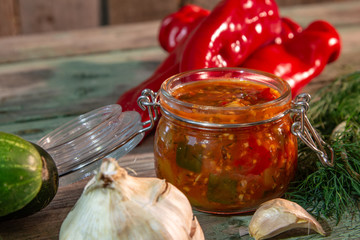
279 215
115 205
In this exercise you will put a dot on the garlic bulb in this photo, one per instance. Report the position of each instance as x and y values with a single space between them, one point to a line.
279 215
115 205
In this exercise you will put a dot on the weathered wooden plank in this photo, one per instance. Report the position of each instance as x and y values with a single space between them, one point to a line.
302 2
338 14
35 97
50 15
9 17
72 43
126 11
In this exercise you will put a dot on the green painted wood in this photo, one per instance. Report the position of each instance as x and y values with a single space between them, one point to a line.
36 97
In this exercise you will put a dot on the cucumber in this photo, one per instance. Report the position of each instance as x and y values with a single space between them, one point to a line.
28 177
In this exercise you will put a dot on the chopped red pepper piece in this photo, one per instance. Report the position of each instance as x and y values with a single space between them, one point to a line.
267 95
261 158
178 25
300 59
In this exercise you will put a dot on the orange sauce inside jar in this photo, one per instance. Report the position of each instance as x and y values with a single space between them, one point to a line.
224 142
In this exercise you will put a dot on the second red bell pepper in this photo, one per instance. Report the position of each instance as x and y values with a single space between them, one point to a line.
301 58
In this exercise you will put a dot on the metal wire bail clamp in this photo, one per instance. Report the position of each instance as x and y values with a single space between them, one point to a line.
303 129
149 101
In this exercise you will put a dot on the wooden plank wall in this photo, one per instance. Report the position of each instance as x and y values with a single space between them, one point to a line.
37 16
49 15
124 11
9 17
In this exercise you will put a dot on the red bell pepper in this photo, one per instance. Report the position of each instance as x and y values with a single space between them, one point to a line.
301 58
178 25
232 31
245 19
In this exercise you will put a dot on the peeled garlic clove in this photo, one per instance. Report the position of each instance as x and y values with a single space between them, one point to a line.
279 215
115 205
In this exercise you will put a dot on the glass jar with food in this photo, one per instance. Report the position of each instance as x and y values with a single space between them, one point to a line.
225 138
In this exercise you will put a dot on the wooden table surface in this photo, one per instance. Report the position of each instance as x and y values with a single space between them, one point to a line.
47 80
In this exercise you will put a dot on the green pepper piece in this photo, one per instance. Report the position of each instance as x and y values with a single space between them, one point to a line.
222 189
189 156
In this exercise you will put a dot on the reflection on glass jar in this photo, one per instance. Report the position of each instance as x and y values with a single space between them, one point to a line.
224 138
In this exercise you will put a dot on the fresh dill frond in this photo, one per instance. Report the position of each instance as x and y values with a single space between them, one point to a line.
336 103
332 191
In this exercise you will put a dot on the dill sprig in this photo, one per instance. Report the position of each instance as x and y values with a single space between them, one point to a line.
332 191
336 103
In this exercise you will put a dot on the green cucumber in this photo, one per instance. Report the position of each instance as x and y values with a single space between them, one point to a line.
28 177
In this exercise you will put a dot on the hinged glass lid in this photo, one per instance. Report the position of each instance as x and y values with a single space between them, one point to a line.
78 146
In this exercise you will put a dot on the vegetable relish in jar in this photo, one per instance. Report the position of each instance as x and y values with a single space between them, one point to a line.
224 138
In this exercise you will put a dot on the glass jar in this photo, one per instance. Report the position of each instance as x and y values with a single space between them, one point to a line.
226 155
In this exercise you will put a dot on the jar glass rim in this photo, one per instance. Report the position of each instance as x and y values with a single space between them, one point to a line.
168 102
286 90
